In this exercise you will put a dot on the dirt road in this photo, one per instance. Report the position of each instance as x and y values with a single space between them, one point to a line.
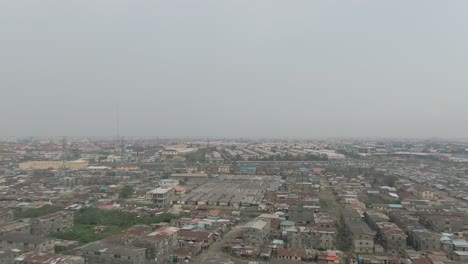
215 255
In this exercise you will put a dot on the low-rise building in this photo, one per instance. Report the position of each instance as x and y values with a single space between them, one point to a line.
168 183
130 235
407 221
55 222
224 169
255 233
350 215
6 215
161 197
303 237
292 254
100 252
461 256
362 236
443 221
26 242
328 257
423 192
127 168
22 227
393 239
48 258
7 256
323 219
160 243
373 218
55 165
425 240
196 236
301 214
192 177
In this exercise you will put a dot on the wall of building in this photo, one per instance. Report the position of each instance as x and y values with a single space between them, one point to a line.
45 165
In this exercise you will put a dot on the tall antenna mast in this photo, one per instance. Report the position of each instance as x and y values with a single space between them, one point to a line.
117 122
64 148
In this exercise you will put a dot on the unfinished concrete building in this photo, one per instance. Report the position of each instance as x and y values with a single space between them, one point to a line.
6 215
55 222
362 236
26 242
425 240
105 253
160 243
311 238
255 233
393 239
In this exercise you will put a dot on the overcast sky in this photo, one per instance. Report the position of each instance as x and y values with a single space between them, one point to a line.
214 68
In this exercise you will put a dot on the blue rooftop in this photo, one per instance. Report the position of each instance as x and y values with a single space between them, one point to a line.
460 243
278 241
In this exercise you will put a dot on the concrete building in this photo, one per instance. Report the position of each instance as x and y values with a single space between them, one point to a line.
230 190
191 177
55 222
224 169
255 233
47 258
26 242
129 236
23 227
168 183
425 240
301 214
393 239
362 236
461 256
443 221
196 236
104 253
7 256
423 192
350 215
160 243
54 165
407 221
311 238
127 168
323 219
373 218
290 254
161 197
6 215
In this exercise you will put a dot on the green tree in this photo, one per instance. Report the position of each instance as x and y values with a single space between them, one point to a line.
126 192
37 212
184 181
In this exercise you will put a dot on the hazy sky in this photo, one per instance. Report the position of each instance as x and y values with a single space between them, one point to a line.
235 68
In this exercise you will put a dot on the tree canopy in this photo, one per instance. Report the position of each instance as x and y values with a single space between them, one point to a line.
126 192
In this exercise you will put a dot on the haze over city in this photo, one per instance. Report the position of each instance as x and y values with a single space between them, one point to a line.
234 132
286 69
